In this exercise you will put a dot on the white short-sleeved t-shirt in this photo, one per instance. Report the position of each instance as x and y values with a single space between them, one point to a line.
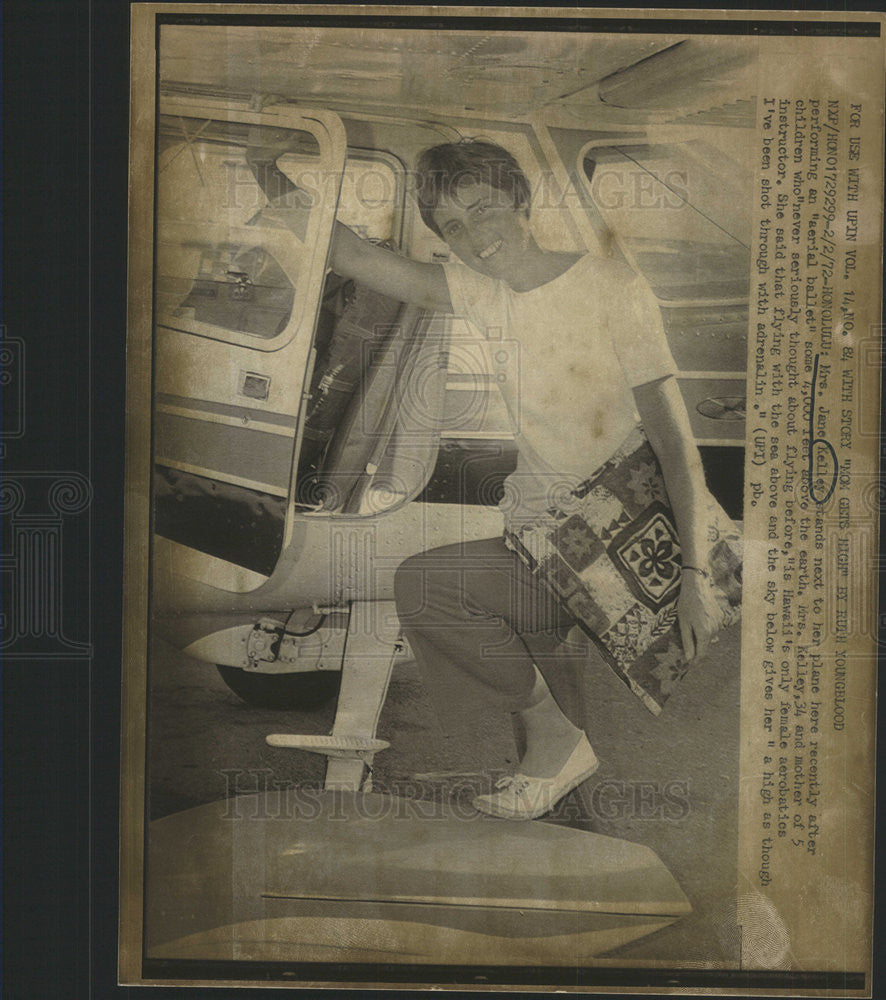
566 356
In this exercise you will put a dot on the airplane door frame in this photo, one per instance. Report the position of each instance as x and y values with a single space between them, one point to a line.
204 375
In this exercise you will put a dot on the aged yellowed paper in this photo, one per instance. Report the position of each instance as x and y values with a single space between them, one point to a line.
503 491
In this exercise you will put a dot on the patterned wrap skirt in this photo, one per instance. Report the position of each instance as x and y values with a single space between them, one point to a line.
611 556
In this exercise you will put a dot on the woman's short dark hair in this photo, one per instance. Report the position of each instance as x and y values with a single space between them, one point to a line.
441 169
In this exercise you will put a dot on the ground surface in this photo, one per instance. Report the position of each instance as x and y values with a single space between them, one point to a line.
669 782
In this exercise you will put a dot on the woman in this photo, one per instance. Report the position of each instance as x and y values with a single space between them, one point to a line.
583 354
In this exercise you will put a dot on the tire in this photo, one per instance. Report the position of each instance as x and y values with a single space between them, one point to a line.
305 691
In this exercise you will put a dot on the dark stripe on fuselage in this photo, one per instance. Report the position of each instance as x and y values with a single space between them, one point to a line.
240 525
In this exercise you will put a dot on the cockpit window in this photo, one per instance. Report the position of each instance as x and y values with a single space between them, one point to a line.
237 288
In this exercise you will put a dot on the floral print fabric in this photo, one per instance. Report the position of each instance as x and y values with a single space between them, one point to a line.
611 555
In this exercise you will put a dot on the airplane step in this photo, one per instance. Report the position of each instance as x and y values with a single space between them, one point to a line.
331 746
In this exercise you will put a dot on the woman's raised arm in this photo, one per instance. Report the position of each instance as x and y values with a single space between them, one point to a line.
382 270
387 272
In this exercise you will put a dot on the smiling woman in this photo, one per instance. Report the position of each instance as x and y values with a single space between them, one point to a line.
446 168
474 608
474 195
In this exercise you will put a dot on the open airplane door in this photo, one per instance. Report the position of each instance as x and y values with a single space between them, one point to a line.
236 301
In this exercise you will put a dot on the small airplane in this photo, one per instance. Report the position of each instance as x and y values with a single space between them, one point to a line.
309 435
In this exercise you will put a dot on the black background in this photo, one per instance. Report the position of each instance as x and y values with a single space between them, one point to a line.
65 120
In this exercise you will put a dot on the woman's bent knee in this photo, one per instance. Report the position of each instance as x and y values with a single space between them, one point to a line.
453 580
411 581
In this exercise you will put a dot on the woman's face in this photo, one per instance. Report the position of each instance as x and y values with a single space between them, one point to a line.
482 226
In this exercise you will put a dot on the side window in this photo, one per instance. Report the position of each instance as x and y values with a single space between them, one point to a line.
666 203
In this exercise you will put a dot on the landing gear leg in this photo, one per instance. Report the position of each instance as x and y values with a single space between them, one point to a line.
370 648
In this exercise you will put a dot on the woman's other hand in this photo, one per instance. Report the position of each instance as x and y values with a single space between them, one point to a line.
290 204
698 614
266 145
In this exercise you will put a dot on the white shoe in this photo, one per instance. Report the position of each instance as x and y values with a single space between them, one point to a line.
523 797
